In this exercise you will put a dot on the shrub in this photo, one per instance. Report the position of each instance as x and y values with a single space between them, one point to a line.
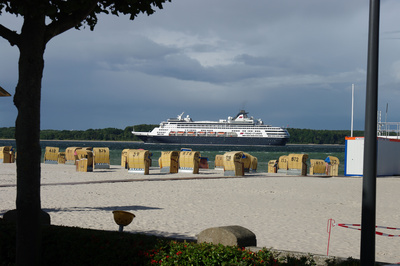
76 246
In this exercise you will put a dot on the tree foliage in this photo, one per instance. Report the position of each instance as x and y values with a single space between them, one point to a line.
144 127
64 15
297 135
312 136
7 133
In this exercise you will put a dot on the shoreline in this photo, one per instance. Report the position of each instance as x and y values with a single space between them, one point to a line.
65 140
141 142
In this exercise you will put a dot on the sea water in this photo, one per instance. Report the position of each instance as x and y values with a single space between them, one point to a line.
263 153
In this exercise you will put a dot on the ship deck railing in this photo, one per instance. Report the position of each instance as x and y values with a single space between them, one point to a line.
389 129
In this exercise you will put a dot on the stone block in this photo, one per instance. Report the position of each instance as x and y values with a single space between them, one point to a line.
11 216
233 235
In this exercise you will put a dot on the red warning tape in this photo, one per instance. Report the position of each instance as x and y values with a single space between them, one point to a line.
358 227
332 223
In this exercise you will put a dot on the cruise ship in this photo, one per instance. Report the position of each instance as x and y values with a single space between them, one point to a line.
240 130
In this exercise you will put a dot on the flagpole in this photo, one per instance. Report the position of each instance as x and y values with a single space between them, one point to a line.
352 109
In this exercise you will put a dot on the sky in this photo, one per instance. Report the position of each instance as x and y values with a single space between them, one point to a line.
290 63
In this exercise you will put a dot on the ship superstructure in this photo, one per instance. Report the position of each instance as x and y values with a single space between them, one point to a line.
238 130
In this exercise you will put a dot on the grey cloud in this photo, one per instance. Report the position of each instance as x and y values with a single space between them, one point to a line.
288 62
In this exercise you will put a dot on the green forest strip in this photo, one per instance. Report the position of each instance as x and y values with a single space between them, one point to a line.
297 136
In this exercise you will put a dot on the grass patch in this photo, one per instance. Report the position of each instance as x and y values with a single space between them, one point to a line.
76 246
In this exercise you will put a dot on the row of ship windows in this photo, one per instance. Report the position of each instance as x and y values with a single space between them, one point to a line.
237 131
221 127
246 130
189 126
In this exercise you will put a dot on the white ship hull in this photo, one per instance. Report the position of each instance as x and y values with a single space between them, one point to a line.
214 140
237 131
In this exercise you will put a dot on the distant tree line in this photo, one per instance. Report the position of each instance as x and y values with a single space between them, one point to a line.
112 134
297 136
311 136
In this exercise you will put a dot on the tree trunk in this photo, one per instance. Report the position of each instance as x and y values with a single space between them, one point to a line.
27 100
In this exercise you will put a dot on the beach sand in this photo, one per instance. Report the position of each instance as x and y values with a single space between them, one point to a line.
284 212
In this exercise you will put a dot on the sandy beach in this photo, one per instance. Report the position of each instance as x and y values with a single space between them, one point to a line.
284 212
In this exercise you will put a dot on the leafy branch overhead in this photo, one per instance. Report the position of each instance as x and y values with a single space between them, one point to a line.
64 15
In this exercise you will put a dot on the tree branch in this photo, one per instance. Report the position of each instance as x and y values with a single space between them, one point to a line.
71 20
9 35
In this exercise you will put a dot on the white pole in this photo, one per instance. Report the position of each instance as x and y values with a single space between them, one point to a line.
352 108
386 125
